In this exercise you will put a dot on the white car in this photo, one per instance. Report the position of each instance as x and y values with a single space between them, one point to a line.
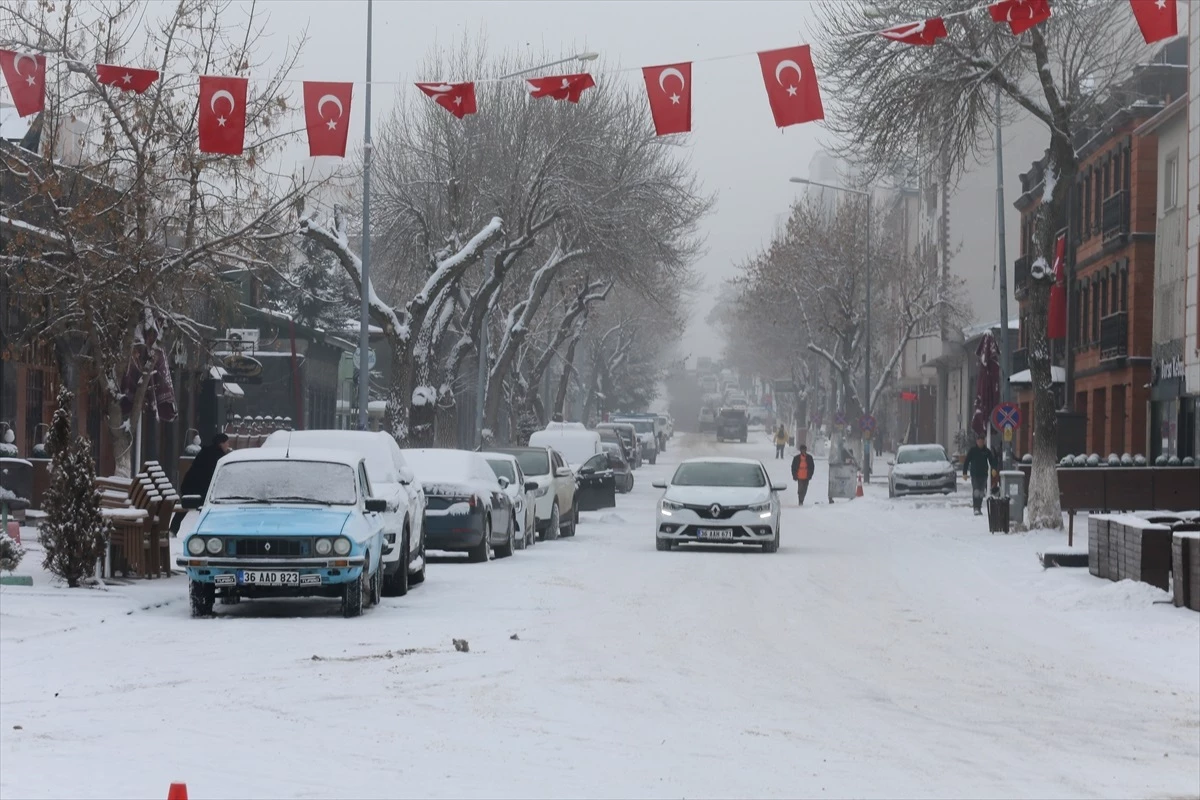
719 501
921 469
554 499
520 491
392 480
646 433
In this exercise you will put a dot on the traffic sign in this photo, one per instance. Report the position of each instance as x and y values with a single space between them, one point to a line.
1006 415
839 419
867 423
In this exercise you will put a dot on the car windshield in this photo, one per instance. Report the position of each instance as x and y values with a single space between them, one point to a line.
642 425
285 481
733 415
503 468
719 473
533 462
918 455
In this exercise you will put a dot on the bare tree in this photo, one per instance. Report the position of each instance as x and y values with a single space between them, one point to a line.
890 100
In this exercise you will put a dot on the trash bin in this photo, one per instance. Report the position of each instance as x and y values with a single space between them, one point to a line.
1012 486
997 513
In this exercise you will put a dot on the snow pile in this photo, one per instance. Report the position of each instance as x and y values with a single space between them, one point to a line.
424 396
1095 594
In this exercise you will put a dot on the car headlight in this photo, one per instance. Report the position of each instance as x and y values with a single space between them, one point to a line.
323 547
762 509
214 546
668 506
341 546
195 545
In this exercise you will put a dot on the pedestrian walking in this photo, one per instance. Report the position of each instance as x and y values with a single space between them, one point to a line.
200 475
979 463
780 441
803 468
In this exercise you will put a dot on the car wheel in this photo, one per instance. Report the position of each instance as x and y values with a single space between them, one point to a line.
479 553
630 489
572 522
419 575
519 542
377 585
552 530
397 585
662 545
772 546
201 596
505 550
354 595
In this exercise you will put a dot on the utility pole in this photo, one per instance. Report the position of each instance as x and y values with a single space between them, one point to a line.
867 360
364 322
481 383
1002 266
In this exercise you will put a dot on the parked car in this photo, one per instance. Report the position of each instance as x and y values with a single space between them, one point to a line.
719 500
622 472
597 484
609 436
554 502
466 507
286 523
731 425
646 435
628 435
521 492
572 440
393 480
668 427
707 420
921 469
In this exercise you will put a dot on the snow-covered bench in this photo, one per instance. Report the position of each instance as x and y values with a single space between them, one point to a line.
139 510
1130 546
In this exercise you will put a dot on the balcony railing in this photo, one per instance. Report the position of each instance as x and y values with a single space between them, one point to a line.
1021 278
1114 333
1114 216
1020 360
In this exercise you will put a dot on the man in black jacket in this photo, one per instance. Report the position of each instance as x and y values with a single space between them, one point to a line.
200 475
803 467
979 463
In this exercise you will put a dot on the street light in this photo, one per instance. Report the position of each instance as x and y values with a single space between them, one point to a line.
867 359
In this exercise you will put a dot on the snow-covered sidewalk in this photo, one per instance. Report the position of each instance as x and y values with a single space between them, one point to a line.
892 648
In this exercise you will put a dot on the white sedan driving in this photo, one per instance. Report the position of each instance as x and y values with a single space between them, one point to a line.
719 501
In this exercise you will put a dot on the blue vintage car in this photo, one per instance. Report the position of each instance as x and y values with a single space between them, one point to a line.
286 523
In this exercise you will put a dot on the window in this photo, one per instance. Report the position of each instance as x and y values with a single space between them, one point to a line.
1104 309
1087 205
1095 314
1125 290
1171 181
1083 317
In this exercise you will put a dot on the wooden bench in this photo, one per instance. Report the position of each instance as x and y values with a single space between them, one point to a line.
139 510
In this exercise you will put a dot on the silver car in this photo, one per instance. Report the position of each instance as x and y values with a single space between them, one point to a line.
921 469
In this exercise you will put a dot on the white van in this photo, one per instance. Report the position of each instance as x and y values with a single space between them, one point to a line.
575 442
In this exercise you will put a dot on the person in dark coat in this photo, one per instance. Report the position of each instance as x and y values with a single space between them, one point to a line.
979 463
803 467
200 475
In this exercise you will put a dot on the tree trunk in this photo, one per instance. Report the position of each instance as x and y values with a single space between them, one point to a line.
564 383
120 434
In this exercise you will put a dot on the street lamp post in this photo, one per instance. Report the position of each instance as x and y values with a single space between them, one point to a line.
867 263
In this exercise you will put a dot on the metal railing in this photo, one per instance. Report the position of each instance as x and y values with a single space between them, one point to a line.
1114 333
1114 216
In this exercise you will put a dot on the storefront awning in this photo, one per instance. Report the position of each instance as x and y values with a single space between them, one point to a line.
1057 375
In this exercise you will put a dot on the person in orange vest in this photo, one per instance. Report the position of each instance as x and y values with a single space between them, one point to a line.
803 468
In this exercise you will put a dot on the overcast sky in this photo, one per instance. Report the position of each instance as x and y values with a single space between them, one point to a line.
735 147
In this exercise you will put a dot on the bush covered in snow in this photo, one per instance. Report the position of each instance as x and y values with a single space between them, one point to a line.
11 553
74 531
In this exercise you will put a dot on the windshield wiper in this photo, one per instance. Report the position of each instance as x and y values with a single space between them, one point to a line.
298 499
237 498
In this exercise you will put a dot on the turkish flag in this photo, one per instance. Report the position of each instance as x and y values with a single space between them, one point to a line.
561 87
924 32
1056 322
457 98
126 79
669 89
1021 15
25 75
1156 18
222 121
791 85
327 117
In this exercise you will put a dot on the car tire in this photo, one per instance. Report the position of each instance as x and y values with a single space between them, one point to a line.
555 524
479 553
772 546
397 585
354 595
519 542
572 522
662 545
377 585
419 576
505 550
201 595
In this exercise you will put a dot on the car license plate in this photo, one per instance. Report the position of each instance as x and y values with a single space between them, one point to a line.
256 577
716 533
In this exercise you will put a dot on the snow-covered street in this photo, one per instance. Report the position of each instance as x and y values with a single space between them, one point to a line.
890 649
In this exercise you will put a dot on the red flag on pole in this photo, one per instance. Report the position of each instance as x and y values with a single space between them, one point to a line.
1056 323
669 89
1021 15
222 121
791 85
925 32
561 87
25 75
126 79
327 117
457 98
1157 19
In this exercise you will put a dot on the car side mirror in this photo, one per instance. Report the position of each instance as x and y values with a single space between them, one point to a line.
503 481
563 472
586 471
778 487
190 501
531 486
406 476
376 505
659 484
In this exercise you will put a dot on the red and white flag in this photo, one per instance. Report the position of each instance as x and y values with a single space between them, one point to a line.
791 85
925 32
327 117
1021 15
561 87
126 79
25 75
669 89
457 98
1056 321
1157 19
222 121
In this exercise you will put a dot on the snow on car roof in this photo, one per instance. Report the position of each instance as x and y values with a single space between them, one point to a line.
440 462
293 454
721 460
492 455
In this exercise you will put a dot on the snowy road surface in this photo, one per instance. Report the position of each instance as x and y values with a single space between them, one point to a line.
890 649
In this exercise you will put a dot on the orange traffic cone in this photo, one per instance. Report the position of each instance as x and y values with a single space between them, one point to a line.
857 493
178 791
